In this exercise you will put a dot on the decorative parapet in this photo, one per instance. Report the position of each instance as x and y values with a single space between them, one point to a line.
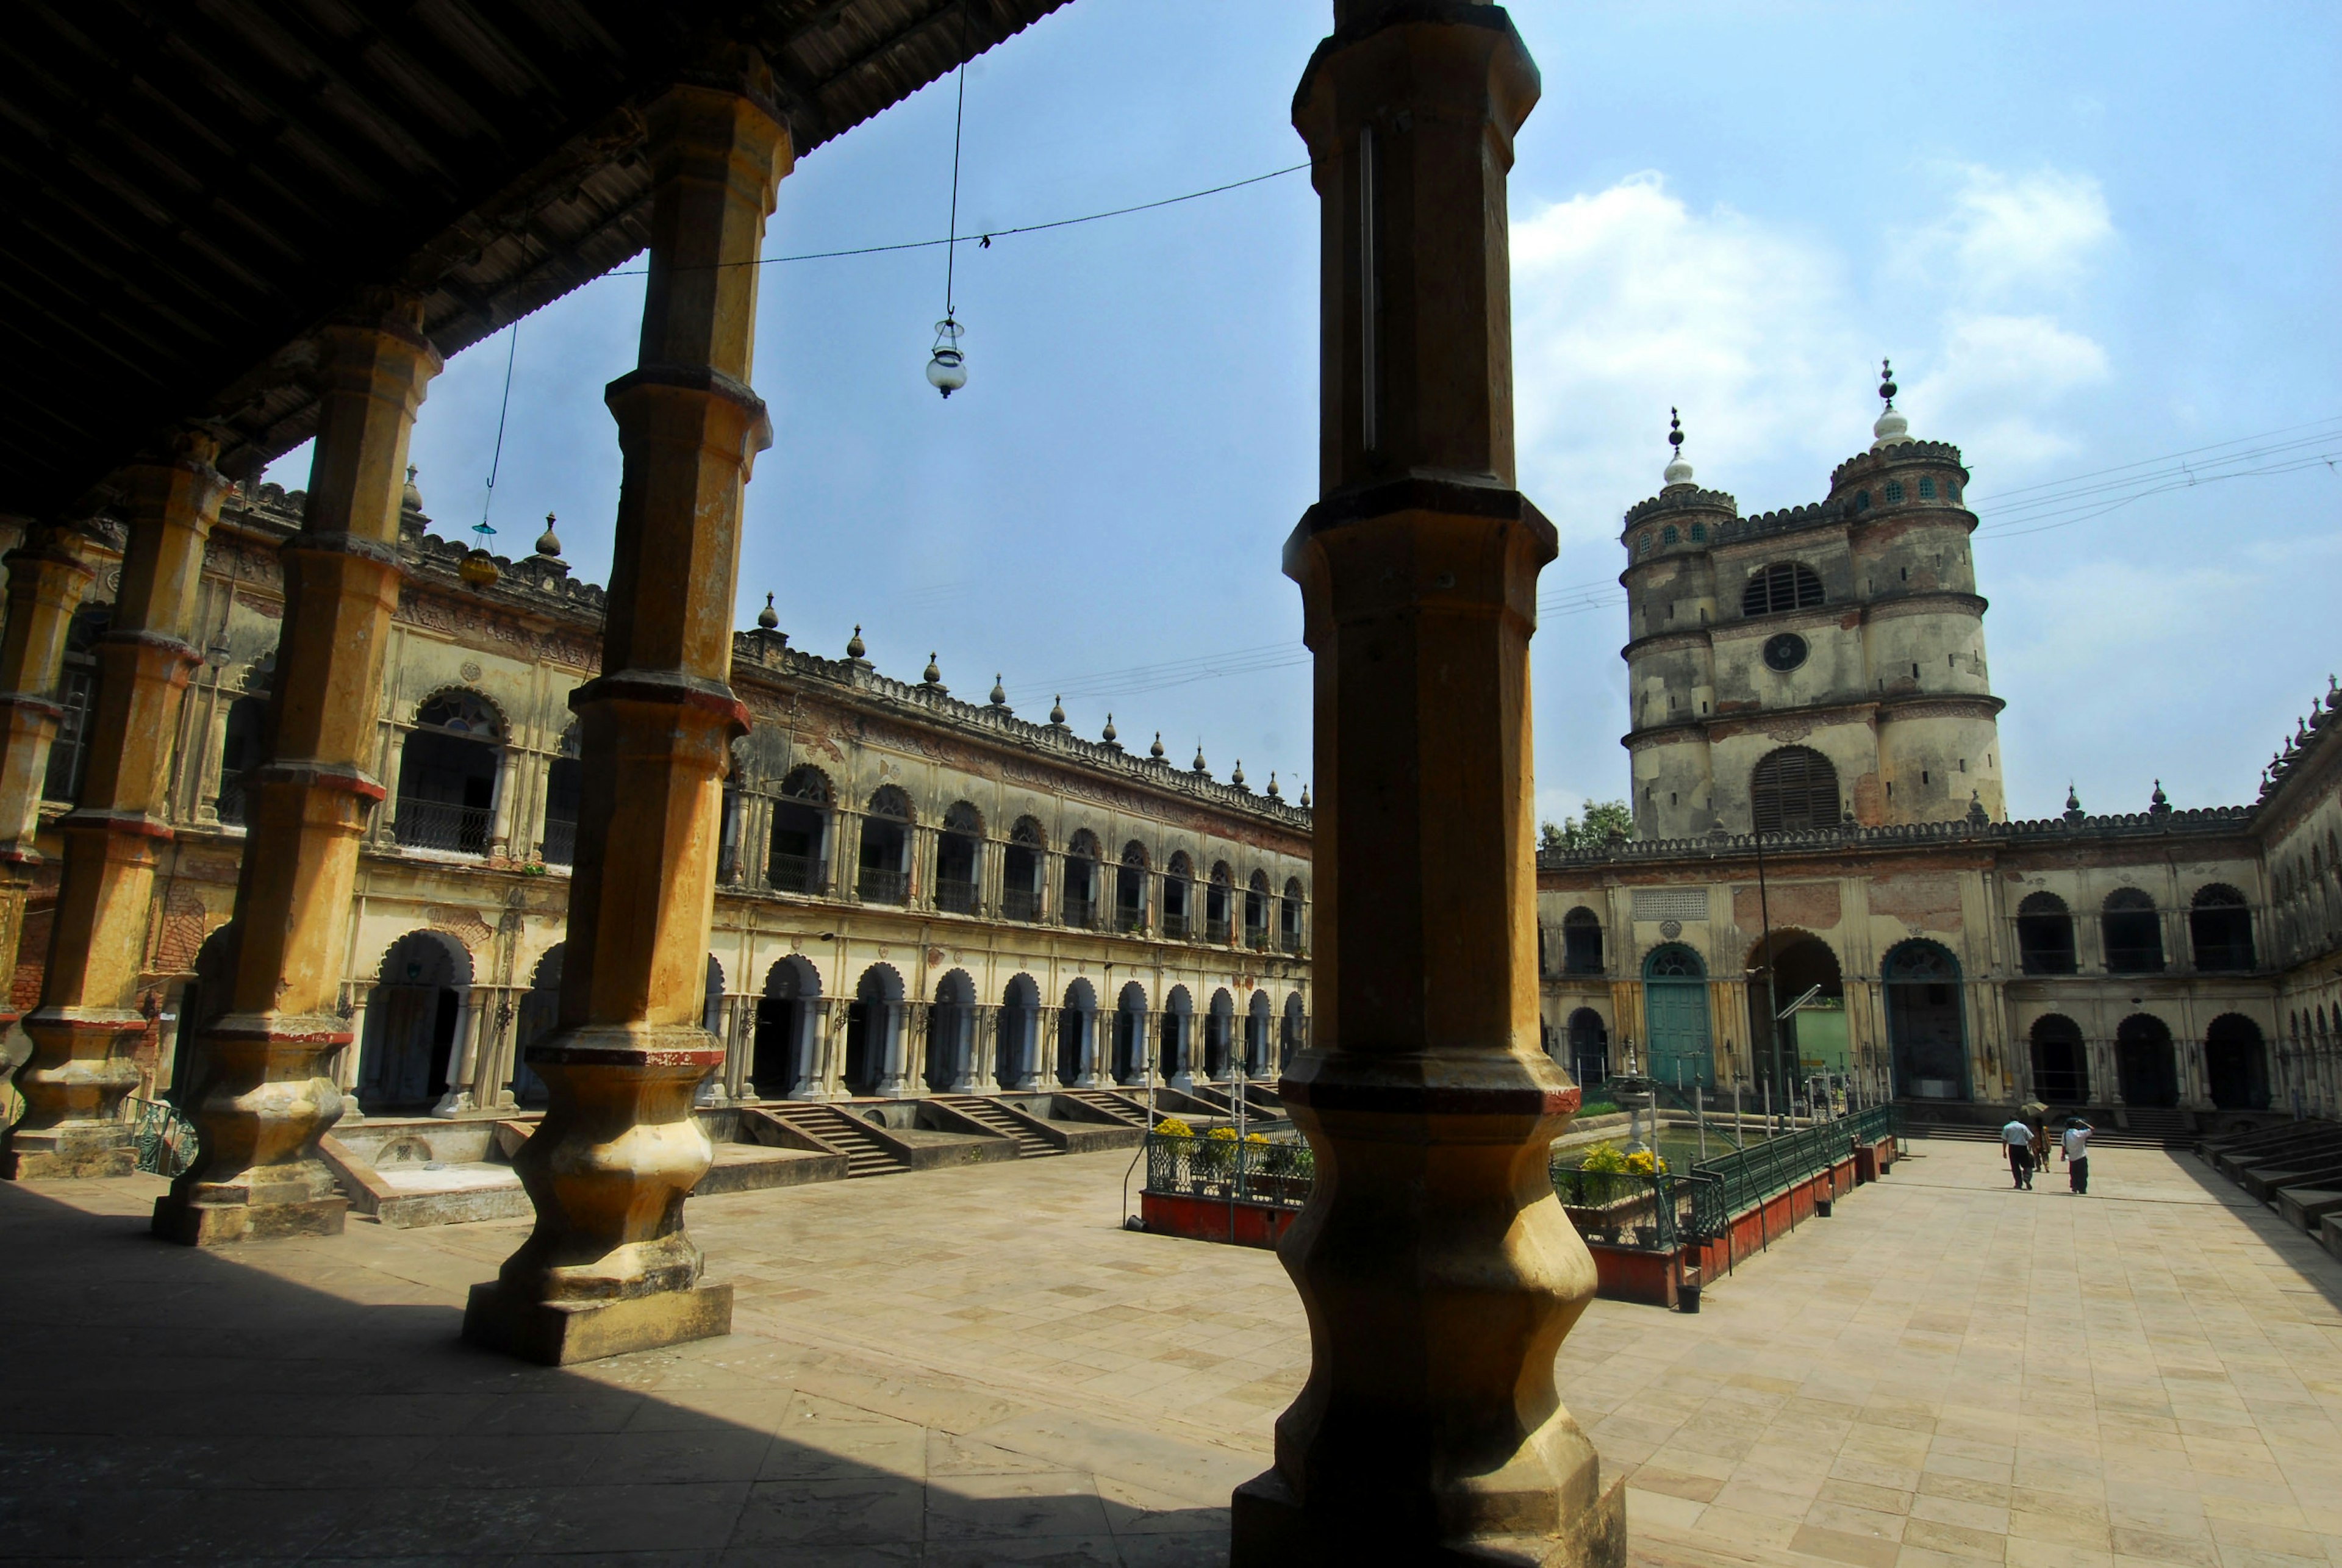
1781 520
1900 451
1681 498
2221 820
2308 735
994 722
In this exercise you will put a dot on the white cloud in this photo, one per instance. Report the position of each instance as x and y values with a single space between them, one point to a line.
2005 237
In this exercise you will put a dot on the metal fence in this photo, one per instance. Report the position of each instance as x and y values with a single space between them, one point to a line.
1276 1173
442 824
875 884
1658 1212
165 1140
1020 904
790 872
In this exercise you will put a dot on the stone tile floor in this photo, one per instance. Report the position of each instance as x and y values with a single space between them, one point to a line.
977 1366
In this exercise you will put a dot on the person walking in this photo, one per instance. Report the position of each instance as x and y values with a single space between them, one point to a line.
2075 1142
2019 1139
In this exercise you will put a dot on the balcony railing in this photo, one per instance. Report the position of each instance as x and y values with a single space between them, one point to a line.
1215 929
1174 926
560 842
879 885
1020 904
1291 942
230 804
796 873
442 824
1081 913
955 894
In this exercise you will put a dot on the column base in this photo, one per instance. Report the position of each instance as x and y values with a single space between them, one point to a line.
86 1150
560 1334
219 1220
1268 1526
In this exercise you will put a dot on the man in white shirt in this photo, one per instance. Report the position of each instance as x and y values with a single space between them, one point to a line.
2076 1143
2018 1135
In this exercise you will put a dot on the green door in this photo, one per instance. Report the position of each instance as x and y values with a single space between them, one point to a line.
1674 1018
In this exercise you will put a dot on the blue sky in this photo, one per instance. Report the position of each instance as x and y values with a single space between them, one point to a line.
2090 236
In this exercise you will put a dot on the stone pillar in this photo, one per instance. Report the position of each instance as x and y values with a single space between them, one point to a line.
921 851
47 580
905 1072
384 832
87 1023
1439 1272
267 1100
610 1267
845 857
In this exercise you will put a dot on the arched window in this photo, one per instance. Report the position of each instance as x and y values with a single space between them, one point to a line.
2134 932
448 774
1288 915
2145 1070
1925 1027
883 869
1178 896
2221 929
1217 900
1581 942
2045 935
1784 585
798 861
1668 535
1590 1048
1793 789
2061 1065
958 852
414 1021
1256 912
77 683
1080 890
1130 888
2236 1064
564 786
1020 870
243 745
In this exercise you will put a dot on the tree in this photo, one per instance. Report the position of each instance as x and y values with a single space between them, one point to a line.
1604 821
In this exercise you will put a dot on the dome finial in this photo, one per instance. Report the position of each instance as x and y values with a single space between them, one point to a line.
769 618
1156 751
1236 777
854 648
1058 713
1891 427
1198 764
2158 802
1274 792
1678 472
1304 795
1105 736
1000 692
933 675
548 544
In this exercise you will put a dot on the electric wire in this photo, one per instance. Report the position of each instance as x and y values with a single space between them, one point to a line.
495 462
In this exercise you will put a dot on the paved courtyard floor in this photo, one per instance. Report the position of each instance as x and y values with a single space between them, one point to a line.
978 1366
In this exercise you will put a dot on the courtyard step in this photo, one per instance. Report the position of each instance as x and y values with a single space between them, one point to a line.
866 1154
1030 1144
1122 1108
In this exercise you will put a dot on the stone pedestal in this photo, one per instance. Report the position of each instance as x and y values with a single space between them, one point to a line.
269 1096
609 1266
1439 1272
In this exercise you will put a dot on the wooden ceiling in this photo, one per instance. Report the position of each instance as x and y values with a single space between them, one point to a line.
194 185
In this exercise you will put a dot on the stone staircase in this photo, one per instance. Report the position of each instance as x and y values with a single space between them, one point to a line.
866 1153
990 1115
1122 1108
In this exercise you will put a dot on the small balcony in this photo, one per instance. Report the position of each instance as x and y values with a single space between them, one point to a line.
801 874
877 884
443 826
1174 926
1020 904
1081 913
955 894
1215 929
560 841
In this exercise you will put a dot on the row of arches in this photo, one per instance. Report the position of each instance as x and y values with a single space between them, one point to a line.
2220 933
2146 1063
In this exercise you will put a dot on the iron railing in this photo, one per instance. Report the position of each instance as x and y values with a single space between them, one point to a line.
229 806
442 824
1216 928
1081 913
1174 926
955 894
1020 904
1276 1173
795 873
560 841
165 1140
879 885
1652 1211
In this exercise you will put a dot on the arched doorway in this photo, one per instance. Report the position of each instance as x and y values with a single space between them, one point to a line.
1925 1028
201 1004
1811 1043
1219 1030
783 1055
1257 1019
1590 1048
1176 1058
1017 1048
797 861
1675 1017
2061 1063
2236 1064
1294 1037
538 1015
951 1035
448 774
411 1024
1076 1021
872 1023
1130 1034
2145 1071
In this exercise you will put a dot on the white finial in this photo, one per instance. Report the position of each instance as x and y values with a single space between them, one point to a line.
1892 426
1678 472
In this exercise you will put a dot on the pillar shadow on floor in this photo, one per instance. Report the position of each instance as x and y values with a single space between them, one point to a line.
160 1405
2313 1263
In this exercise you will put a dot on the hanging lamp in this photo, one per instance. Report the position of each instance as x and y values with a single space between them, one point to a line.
947 366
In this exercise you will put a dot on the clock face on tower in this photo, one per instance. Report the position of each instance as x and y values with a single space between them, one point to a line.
1784 651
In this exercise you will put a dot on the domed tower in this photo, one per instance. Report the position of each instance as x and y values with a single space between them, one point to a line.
1823 664
1670 582
1923 624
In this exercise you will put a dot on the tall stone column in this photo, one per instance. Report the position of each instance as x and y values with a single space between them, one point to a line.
610 1267
87 1023
1438 1271
47 581
268 1099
